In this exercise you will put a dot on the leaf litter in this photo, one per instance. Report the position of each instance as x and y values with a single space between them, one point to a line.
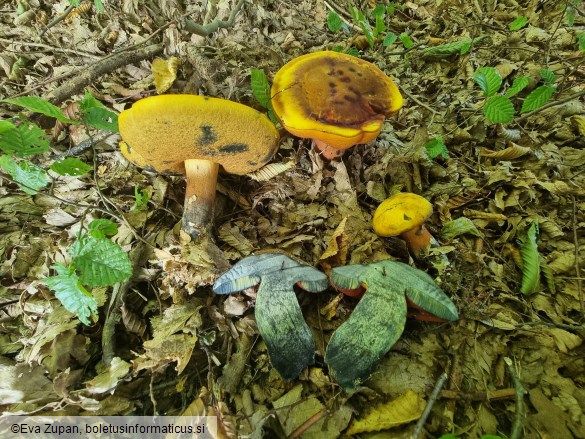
203 354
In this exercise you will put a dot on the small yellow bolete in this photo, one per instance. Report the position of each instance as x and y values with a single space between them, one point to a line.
335 99
194 135
403 215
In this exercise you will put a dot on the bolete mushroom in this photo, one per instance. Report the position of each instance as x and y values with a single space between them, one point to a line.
378 320
289 340
335 99
194 135
403 215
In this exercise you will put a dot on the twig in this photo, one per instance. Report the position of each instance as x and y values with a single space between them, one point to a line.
422 104
56 20
551 104
516 431
206 29
107 65
430 403
335 8
489 395
298 432
52 48
577 267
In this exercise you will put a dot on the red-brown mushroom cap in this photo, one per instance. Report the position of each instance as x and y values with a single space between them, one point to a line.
334 98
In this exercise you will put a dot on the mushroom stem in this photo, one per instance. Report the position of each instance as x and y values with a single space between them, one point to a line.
199 197
326 150
418 240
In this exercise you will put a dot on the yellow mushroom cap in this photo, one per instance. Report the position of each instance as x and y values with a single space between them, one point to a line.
333 97
400 213
161 132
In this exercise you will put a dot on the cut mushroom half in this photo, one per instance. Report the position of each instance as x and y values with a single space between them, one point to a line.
195 135
378 320
289 340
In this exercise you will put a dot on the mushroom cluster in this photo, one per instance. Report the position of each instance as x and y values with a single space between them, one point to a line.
194 135
335 99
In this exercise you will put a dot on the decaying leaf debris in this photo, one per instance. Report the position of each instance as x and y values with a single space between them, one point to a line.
181 349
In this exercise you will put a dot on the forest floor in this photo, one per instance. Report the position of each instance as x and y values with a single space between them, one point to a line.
175 347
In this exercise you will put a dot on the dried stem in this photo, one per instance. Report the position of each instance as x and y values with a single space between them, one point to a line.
209 28
430 403
517 426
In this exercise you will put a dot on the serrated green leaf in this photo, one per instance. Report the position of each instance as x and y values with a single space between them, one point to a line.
570 14
380 26
101 119
70 166
519 84
448 49
140 199
89 101
581 40
30 177
6 125
353 52
537 98
38 105
24 140
100 262
488 79
389 39
260 87
498 109
334 21
518 23
379 11
548 76
102 227
436 147
71 293
406 40
99 6
530 261
457 227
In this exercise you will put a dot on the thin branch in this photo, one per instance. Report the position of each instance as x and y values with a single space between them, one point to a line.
577 266
517 426
107 65
57 20
430 403
209 28
550 104
52 48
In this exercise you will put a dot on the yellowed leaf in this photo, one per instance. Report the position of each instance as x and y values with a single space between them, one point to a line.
579 122
513 151
565 340
164 72
402 410
109 378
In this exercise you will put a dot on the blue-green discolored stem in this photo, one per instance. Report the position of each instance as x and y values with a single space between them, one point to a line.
378 320
278 315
